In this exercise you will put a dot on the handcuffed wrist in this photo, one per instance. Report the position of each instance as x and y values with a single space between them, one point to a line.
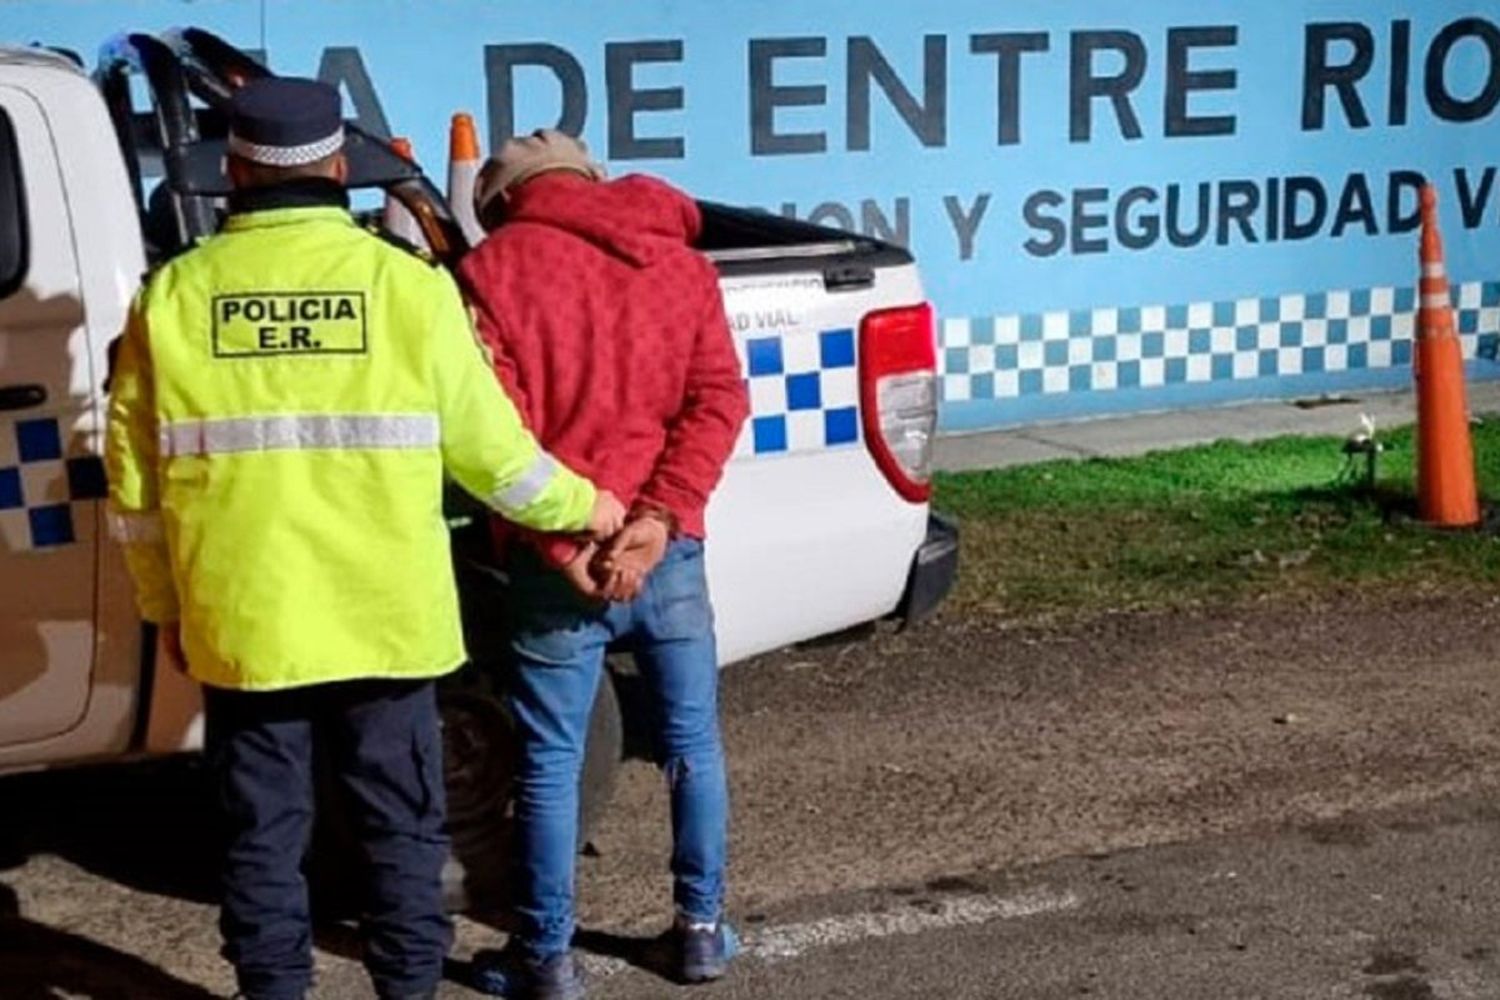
641 511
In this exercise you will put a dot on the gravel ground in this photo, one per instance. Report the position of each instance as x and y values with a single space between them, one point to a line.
962 747
966 746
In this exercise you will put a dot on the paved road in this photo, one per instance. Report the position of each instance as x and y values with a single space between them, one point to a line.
1401 906
873 781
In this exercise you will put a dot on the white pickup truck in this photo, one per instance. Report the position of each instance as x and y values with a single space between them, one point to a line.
822 522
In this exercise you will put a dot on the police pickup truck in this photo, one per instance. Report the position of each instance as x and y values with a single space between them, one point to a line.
822 522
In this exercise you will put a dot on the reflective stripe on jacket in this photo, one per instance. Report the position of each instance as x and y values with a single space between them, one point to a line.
286 400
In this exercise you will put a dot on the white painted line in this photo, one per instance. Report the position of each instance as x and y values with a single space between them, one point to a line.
600 966
779 944
792 941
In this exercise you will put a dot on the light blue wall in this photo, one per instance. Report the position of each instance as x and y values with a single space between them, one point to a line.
1027 336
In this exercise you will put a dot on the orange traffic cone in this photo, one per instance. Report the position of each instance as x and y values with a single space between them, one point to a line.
463 171
397 219
1446 492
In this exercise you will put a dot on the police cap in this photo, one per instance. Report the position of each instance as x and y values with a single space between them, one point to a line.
285 121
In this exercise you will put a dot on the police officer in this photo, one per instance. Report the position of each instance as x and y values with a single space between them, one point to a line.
288 396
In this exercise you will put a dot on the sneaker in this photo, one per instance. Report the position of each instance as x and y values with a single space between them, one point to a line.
517 976
702 950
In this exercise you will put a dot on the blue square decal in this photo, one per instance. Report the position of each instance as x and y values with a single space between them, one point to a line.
1359 356
1200 342
1316 306
1381 328
1468 321
38 440
1129 375
1223 366
1313 360
956 360
1176 370
1269 362
1489 295
86 479
982 386
1007 357
1031 326
1031 382
10 489
981 332
1291 335
1130 320
1270 310
1055 353
841 426
1177 317
51 525
770 435
1338 329
1359 302
1401 352
1080 378
1080 322
837 348
764 356
1153 345
804 392
1246 338
1223 314
1104 348
1406 299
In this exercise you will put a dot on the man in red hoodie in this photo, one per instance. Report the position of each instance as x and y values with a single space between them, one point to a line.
609 332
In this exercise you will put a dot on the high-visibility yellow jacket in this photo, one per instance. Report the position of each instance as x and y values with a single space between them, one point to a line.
285 401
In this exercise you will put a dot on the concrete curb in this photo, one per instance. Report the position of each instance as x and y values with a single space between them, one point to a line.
1118 437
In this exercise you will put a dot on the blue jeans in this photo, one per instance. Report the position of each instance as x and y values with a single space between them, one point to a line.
558 640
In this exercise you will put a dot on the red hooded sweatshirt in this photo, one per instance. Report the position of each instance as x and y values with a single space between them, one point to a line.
609 332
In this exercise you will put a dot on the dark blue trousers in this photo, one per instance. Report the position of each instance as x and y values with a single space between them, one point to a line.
384 742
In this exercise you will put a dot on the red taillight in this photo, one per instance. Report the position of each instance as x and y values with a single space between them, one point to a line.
898 395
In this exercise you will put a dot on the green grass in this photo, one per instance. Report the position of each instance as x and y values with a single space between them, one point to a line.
1213 524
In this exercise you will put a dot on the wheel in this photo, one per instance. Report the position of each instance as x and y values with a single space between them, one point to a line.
479 762
479 768
480 758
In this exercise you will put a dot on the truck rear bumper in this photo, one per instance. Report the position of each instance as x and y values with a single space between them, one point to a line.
933 571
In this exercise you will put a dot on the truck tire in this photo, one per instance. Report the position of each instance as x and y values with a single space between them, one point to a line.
480 759
480 756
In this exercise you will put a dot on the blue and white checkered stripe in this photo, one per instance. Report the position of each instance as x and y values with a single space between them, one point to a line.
804 392
40 486
1100 350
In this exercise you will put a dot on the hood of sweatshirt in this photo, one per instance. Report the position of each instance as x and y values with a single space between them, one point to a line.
636 218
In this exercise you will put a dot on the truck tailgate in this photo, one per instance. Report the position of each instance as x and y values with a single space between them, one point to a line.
807 535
